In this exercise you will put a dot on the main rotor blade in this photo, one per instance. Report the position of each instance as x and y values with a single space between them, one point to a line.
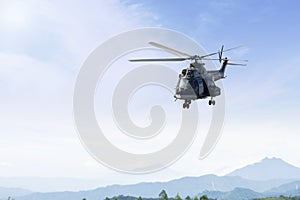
158 59
211 54
224 59
170 50
207 55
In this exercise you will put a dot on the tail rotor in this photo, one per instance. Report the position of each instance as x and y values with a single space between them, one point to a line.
220 53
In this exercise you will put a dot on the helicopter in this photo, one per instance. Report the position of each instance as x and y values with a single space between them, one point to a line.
195 82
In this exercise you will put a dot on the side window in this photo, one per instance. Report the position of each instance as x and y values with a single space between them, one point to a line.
183 72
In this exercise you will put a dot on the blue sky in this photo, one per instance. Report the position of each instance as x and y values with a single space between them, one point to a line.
44 43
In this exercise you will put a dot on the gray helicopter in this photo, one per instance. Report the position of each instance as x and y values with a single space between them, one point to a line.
195 82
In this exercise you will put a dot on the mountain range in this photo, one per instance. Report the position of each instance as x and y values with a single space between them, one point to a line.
268 169
269 177
6 192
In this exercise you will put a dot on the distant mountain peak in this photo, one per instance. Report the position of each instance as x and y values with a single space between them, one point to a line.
271 158
269 168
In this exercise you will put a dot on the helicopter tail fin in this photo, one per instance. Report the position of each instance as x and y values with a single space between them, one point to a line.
225 64
223 67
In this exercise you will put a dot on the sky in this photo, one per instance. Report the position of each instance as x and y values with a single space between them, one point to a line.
44 44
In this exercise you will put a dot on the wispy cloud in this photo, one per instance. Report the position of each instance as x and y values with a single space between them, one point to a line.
36 91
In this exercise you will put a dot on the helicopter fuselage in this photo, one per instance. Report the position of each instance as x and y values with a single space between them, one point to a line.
197 83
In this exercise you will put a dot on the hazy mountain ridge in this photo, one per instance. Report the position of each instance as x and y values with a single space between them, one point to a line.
6 192
292 189
236 194
268 169
185 186
223 187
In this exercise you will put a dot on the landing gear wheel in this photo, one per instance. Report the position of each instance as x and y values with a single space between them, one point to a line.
186 104
212 102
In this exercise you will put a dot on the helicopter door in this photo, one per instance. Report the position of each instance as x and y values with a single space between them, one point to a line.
201 86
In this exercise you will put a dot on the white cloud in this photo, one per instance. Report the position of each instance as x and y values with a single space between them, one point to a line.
84 25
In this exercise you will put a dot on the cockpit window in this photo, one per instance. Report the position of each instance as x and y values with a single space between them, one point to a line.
190 73
183 72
